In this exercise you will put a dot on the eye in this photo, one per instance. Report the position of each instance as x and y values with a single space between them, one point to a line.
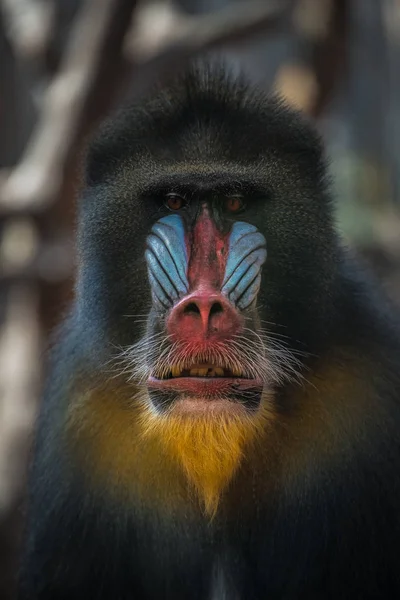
174 201
234 204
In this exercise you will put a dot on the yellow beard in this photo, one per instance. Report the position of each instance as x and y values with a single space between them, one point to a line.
122 437
208 445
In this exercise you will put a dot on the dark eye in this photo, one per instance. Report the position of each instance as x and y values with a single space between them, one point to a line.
234 204
174 201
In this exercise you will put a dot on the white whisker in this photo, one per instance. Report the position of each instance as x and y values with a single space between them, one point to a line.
255 354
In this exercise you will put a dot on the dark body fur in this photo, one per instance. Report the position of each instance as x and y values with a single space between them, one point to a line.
316 514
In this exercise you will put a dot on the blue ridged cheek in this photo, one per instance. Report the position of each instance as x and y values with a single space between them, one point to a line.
167 261
247 253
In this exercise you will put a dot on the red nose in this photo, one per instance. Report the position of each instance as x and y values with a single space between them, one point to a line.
203 315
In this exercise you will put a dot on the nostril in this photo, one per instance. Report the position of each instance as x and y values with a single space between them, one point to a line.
216 309
191 309
203 316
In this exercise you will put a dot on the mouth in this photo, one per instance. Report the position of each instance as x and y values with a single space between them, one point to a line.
209 382
201 370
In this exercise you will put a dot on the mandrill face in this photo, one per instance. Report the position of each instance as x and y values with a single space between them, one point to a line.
215 277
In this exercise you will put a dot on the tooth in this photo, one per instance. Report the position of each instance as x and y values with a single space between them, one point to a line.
219 372
194 372
175 370
236 372
203 371
211 373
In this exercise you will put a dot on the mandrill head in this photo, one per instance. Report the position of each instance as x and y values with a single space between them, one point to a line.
203 237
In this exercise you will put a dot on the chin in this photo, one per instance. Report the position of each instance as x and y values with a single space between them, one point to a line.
204 407
202 396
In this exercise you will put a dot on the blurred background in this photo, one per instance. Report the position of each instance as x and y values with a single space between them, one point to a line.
66 64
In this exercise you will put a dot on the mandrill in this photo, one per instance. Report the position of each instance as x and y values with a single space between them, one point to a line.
222 416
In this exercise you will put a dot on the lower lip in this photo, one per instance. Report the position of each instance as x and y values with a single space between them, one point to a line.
205 386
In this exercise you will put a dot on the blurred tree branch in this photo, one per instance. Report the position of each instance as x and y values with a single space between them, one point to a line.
162 34
81 91
28 24
322 26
